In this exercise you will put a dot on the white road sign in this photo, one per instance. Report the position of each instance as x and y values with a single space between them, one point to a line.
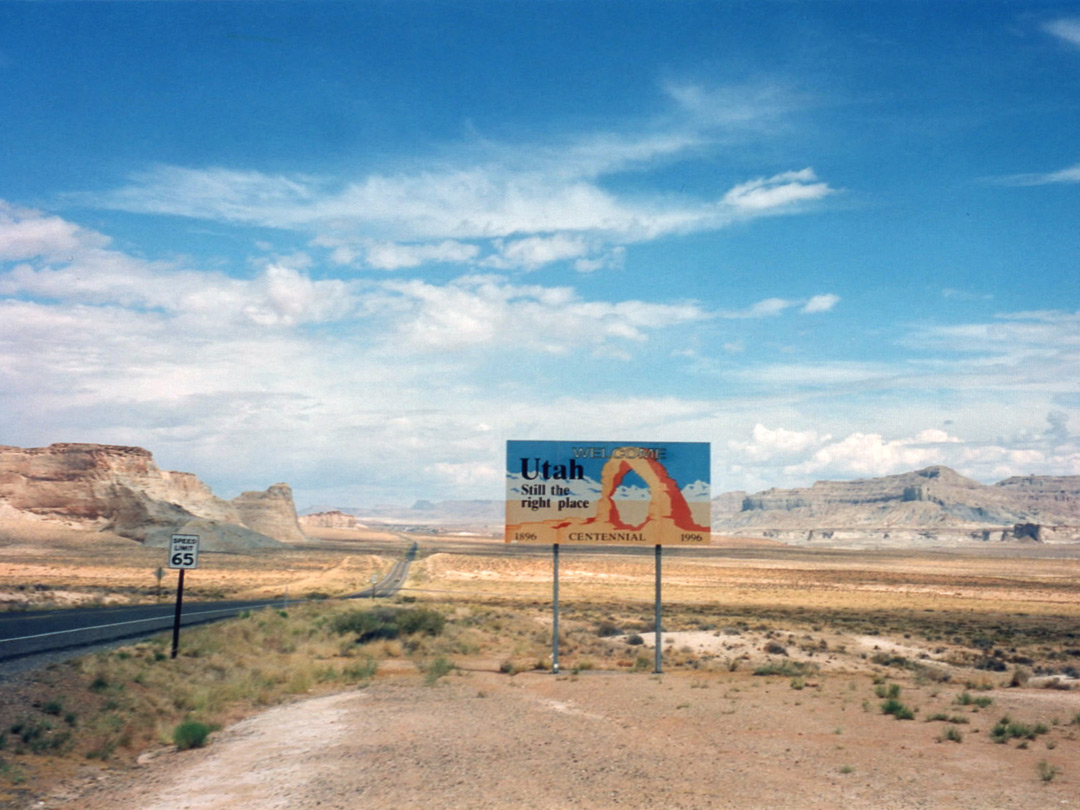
184 551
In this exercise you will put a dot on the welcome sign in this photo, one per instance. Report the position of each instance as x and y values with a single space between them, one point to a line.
624 493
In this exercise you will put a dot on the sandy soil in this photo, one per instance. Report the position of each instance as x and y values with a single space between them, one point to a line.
46 565
479 739
707 734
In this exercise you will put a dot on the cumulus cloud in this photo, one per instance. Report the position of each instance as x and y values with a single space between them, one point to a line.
489 310
532 252
26 233
770 443
872 454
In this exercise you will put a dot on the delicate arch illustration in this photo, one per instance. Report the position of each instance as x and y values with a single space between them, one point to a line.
666 501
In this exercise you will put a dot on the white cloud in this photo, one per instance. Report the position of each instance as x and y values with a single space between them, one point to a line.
1070 174
488 310
521 205
1067 29
766 308
394 256
535 251
821 303
26 233
779 191
872 454
769 443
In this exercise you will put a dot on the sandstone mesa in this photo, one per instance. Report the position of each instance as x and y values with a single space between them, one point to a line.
120 489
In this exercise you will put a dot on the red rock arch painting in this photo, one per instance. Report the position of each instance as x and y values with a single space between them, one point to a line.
670 517
667 503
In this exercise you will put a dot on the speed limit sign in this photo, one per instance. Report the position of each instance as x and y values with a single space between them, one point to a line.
184 551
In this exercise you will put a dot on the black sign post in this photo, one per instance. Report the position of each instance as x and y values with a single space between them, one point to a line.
176 620
555 617
658 669
183 554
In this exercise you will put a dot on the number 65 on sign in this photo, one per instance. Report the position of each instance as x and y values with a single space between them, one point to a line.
184 551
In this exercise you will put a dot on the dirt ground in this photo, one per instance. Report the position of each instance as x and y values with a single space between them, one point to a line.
43 565
844 628
480 739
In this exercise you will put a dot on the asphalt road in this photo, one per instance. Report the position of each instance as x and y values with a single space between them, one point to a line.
43 634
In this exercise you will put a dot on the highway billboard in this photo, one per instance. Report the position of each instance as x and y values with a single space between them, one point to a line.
621 493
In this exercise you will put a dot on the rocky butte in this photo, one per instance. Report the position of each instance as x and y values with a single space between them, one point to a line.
121 489
933 506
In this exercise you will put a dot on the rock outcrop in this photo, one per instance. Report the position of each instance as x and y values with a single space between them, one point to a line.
272 513
121 489
927 507
334 519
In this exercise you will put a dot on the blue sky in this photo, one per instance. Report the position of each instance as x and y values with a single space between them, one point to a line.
359 246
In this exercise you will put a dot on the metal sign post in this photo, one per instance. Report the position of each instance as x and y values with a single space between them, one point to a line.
555 622
183 554
659 654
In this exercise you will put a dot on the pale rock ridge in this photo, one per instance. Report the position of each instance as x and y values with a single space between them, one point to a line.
925 506
121 489
271 512
334 519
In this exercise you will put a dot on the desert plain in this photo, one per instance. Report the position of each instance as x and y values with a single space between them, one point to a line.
791 677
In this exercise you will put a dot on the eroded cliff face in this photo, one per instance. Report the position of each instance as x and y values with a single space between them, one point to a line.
931 506
271 512
121 489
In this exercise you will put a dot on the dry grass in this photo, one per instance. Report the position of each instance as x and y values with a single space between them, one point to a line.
56 567
944 625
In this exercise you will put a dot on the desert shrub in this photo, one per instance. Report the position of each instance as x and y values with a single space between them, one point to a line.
361 670
891 690
38 736
897 709
1047 772
191 734
1019 677
885 660
775 648
967 699
437 669
1007 729
952 734
634 639
607 628
789 669
389 623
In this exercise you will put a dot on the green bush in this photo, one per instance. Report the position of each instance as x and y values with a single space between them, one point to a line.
191 734
789 669
966 699
1047 772
1007 729
897 709
953 734
437 669
386 622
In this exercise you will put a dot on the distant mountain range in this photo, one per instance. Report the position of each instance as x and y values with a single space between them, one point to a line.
121 489
932 506
928 507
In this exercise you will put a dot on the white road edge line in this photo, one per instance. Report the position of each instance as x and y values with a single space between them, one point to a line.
118 624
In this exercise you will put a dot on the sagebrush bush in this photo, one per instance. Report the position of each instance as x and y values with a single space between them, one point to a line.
897 709
191 734
389 623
